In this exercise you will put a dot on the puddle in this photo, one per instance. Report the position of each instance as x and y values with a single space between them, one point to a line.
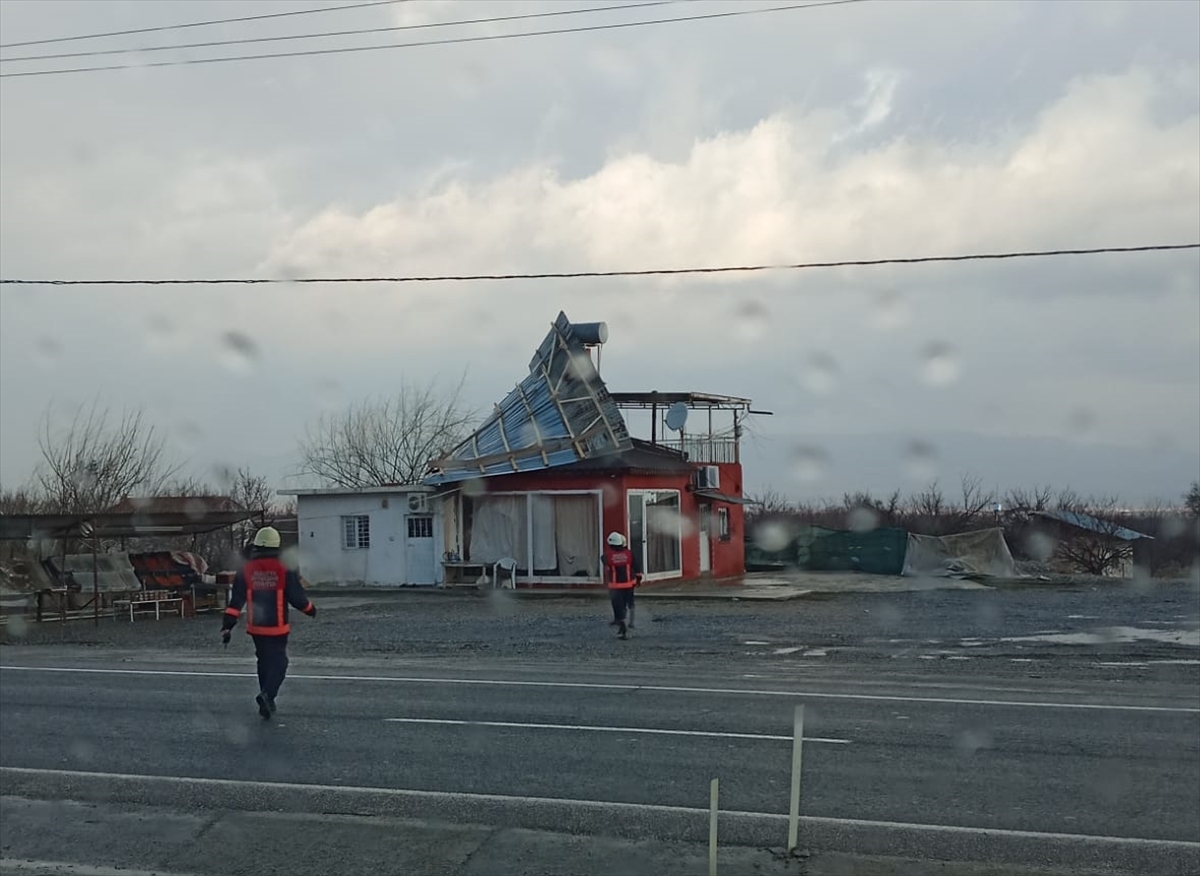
1113 636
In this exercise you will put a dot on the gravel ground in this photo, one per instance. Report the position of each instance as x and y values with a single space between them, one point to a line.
1158 622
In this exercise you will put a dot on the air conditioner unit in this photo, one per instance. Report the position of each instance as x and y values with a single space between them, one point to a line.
708 478
418 503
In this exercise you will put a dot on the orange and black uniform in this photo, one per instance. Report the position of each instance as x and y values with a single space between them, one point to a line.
618 572
264 588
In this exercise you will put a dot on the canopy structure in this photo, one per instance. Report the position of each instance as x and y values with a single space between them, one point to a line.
562 413
110 525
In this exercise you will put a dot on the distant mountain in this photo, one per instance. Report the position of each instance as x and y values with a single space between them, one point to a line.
881 463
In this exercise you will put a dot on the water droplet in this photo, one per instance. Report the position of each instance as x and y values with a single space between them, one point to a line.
862 519
474 487
1081 420
238 351
18 627
290 557
820 375
610 494
888 311
161 335
772 535
939 364
751 320
82 750
194 509
1040 546
189 434
47 352
920 461
1172 526
809 462
329 393
226 476
972 741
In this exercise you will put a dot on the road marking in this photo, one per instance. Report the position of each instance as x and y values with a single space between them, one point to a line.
657 688
256 788
62 868
715 734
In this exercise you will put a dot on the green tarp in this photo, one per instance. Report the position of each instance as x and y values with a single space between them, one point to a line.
817 549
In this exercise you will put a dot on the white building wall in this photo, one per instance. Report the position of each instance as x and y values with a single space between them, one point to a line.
324 560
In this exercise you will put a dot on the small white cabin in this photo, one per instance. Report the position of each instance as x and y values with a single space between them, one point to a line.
389 536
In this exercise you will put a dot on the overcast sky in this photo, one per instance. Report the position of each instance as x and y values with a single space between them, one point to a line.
867 130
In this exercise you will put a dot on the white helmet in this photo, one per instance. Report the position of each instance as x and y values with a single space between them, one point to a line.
616 539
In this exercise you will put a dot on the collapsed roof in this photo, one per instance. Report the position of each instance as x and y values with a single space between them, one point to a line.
562 413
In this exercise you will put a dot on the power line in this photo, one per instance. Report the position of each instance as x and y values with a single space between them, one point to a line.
341 33
574 275
162 27
443 42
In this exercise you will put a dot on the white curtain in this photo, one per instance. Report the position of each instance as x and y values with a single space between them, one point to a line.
498 529
576 527
544 556
662 533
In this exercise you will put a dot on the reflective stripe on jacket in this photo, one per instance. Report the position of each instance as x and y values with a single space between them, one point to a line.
265 587
618 565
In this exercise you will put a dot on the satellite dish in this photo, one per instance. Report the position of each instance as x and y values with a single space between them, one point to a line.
677 415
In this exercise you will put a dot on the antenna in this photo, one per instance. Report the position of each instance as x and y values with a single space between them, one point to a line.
677 415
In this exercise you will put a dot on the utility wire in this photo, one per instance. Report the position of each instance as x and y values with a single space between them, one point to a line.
573 275
162 27
340 33
443 42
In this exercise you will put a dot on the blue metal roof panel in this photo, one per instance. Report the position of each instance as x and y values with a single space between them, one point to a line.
1094 524
559 414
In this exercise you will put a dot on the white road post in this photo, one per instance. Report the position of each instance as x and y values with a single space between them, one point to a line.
794 809
712 827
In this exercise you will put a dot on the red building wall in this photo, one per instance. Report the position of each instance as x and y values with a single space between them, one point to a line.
727 557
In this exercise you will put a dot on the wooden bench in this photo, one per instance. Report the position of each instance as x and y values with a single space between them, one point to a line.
155 598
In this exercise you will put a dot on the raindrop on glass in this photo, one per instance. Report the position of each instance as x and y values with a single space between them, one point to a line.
772 535
1080 421
888 312
1172 526
160 333
809 462
474 487
820 374
939 364
971 741
238 351
48 352
1040 546
751 320
190 435
862 519
920 460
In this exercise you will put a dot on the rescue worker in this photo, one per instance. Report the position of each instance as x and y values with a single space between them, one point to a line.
265 587
618 572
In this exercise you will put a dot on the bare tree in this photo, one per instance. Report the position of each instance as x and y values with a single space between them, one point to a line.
386 441
98 459
1094 547
1191 499
22 500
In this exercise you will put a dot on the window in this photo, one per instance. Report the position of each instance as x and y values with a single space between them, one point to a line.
655 531
420 527
723 524
356 532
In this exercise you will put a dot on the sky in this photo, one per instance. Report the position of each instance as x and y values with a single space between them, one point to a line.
885 129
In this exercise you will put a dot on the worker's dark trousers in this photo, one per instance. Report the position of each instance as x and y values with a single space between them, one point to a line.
272 663
622 602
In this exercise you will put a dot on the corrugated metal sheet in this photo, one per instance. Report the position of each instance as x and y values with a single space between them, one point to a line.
560 414
114 572
1094 524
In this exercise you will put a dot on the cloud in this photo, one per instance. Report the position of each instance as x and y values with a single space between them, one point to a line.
1098 166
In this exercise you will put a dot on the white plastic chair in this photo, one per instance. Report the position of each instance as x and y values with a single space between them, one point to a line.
507 565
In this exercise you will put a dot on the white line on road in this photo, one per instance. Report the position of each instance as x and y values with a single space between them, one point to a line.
659 688
647 730
63 868
256 788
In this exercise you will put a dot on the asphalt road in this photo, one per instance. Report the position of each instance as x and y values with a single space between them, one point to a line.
1084 755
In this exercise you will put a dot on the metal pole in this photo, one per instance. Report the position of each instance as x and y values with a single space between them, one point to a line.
95 580
713 790
794 808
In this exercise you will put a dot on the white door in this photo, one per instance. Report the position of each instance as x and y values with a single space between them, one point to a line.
419 554
705 536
